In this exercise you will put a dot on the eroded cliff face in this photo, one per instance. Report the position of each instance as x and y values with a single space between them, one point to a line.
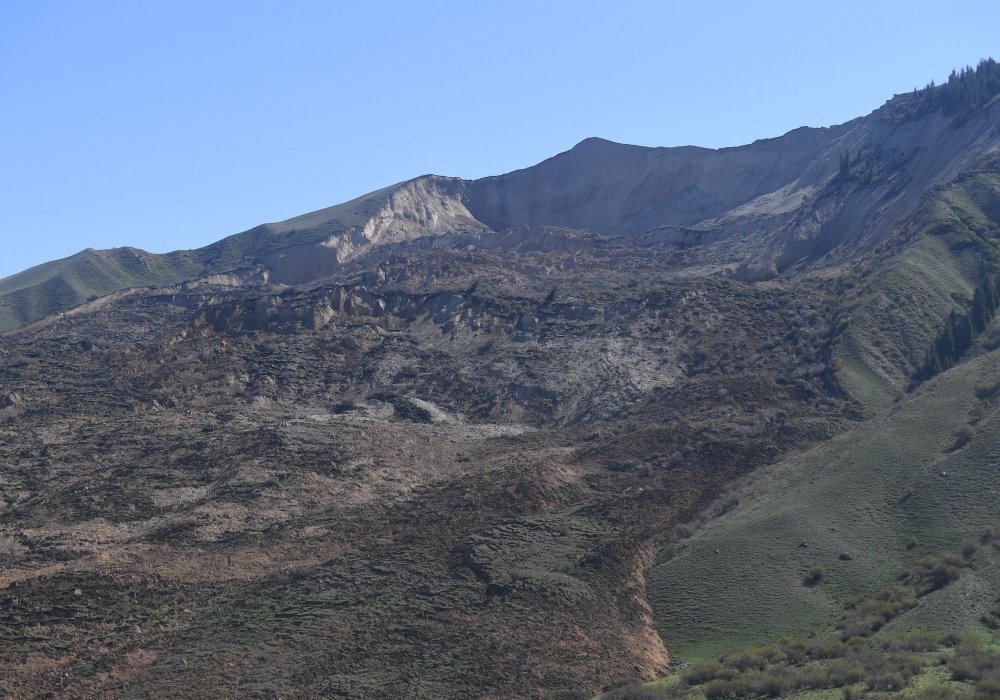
426 206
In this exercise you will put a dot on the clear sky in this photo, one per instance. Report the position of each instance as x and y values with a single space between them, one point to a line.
166 125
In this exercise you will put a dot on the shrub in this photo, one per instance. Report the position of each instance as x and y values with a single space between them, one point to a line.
487 346
932 573
987 689
174 531
519 574
969 645
935 693
772 684
828 648
746 659
977 413
860 627
952 639
988 391
683 531
886 681
564 566
633 691
992 617
906 664
345 406
795 650
962 437
870 616
10 546
913 641
670 551
966 668
278 578
720 689
835 674
300 573
852 602
841 672
702 672
772 654
816 573
973 667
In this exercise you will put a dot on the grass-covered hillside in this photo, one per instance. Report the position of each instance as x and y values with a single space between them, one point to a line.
893 316
63 284
795 543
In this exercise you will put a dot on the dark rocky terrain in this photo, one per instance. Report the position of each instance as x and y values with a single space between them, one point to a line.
430 443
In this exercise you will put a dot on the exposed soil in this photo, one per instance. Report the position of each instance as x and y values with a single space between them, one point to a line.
383 485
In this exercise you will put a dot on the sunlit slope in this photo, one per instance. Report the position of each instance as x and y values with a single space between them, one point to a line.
863 506
63 284
894 315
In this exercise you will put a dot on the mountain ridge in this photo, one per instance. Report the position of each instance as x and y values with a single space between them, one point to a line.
689 194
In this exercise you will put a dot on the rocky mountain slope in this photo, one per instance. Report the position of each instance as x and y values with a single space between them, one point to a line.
750 211
508 437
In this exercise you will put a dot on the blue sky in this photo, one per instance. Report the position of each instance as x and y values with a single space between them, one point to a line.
170 125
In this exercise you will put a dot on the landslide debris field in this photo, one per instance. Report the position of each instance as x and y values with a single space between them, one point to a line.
453 492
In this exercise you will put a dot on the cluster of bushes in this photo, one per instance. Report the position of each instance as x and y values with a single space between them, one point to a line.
864 618
824 663
973 662
794 665
991 618
990 536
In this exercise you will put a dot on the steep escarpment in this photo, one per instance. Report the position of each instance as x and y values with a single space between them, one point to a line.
426 207
613 188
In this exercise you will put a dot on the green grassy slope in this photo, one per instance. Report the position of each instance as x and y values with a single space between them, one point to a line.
62 284
889 323
882 495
